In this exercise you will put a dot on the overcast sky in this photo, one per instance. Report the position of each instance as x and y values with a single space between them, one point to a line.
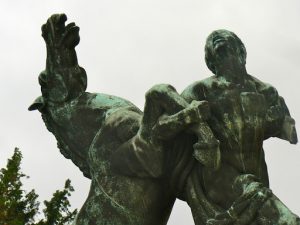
126 47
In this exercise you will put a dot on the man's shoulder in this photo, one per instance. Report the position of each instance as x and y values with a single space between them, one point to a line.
195 90
264 88
260 84
201 83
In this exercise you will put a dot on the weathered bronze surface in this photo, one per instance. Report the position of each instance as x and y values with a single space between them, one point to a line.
244 112
203 146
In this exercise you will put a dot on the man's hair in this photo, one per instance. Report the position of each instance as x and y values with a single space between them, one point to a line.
210 57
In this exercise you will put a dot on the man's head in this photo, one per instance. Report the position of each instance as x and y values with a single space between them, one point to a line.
222 45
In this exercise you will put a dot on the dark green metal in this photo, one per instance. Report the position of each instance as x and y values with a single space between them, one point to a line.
203 146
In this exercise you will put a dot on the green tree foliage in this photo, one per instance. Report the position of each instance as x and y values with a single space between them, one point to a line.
57 209
18 207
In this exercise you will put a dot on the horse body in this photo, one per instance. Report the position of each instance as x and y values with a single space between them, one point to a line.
89 129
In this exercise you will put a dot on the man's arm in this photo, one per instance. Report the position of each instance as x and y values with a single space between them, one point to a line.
195 91
279 122
287 129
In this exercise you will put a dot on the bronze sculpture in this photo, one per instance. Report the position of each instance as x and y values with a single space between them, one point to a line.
244 112
194 146
94 141
63 104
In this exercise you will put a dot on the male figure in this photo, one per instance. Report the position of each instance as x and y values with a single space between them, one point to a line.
96 130
244 112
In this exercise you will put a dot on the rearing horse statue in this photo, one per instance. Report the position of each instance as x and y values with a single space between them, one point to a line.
140 162
109 139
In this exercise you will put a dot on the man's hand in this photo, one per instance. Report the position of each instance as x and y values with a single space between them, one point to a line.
63 79
58 35
61 41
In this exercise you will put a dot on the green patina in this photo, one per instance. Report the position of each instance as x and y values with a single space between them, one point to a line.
204 146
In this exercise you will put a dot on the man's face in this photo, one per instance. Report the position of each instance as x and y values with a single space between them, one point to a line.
222 43
224 48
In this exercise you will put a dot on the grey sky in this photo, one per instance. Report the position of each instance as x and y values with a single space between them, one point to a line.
126 47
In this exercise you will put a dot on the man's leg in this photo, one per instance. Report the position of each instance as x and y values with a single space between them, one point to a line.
166 114
160 99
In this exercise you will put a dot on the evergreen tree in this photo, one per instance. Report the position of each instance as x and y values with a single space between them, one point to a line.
57 209
18 207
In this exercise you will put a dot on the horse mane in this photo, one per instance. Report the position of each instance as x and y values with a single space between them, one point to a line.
64 148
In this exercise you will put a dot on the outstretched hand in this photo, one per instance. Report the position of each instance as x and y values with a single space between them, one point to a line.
57 35
63 79
61 41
